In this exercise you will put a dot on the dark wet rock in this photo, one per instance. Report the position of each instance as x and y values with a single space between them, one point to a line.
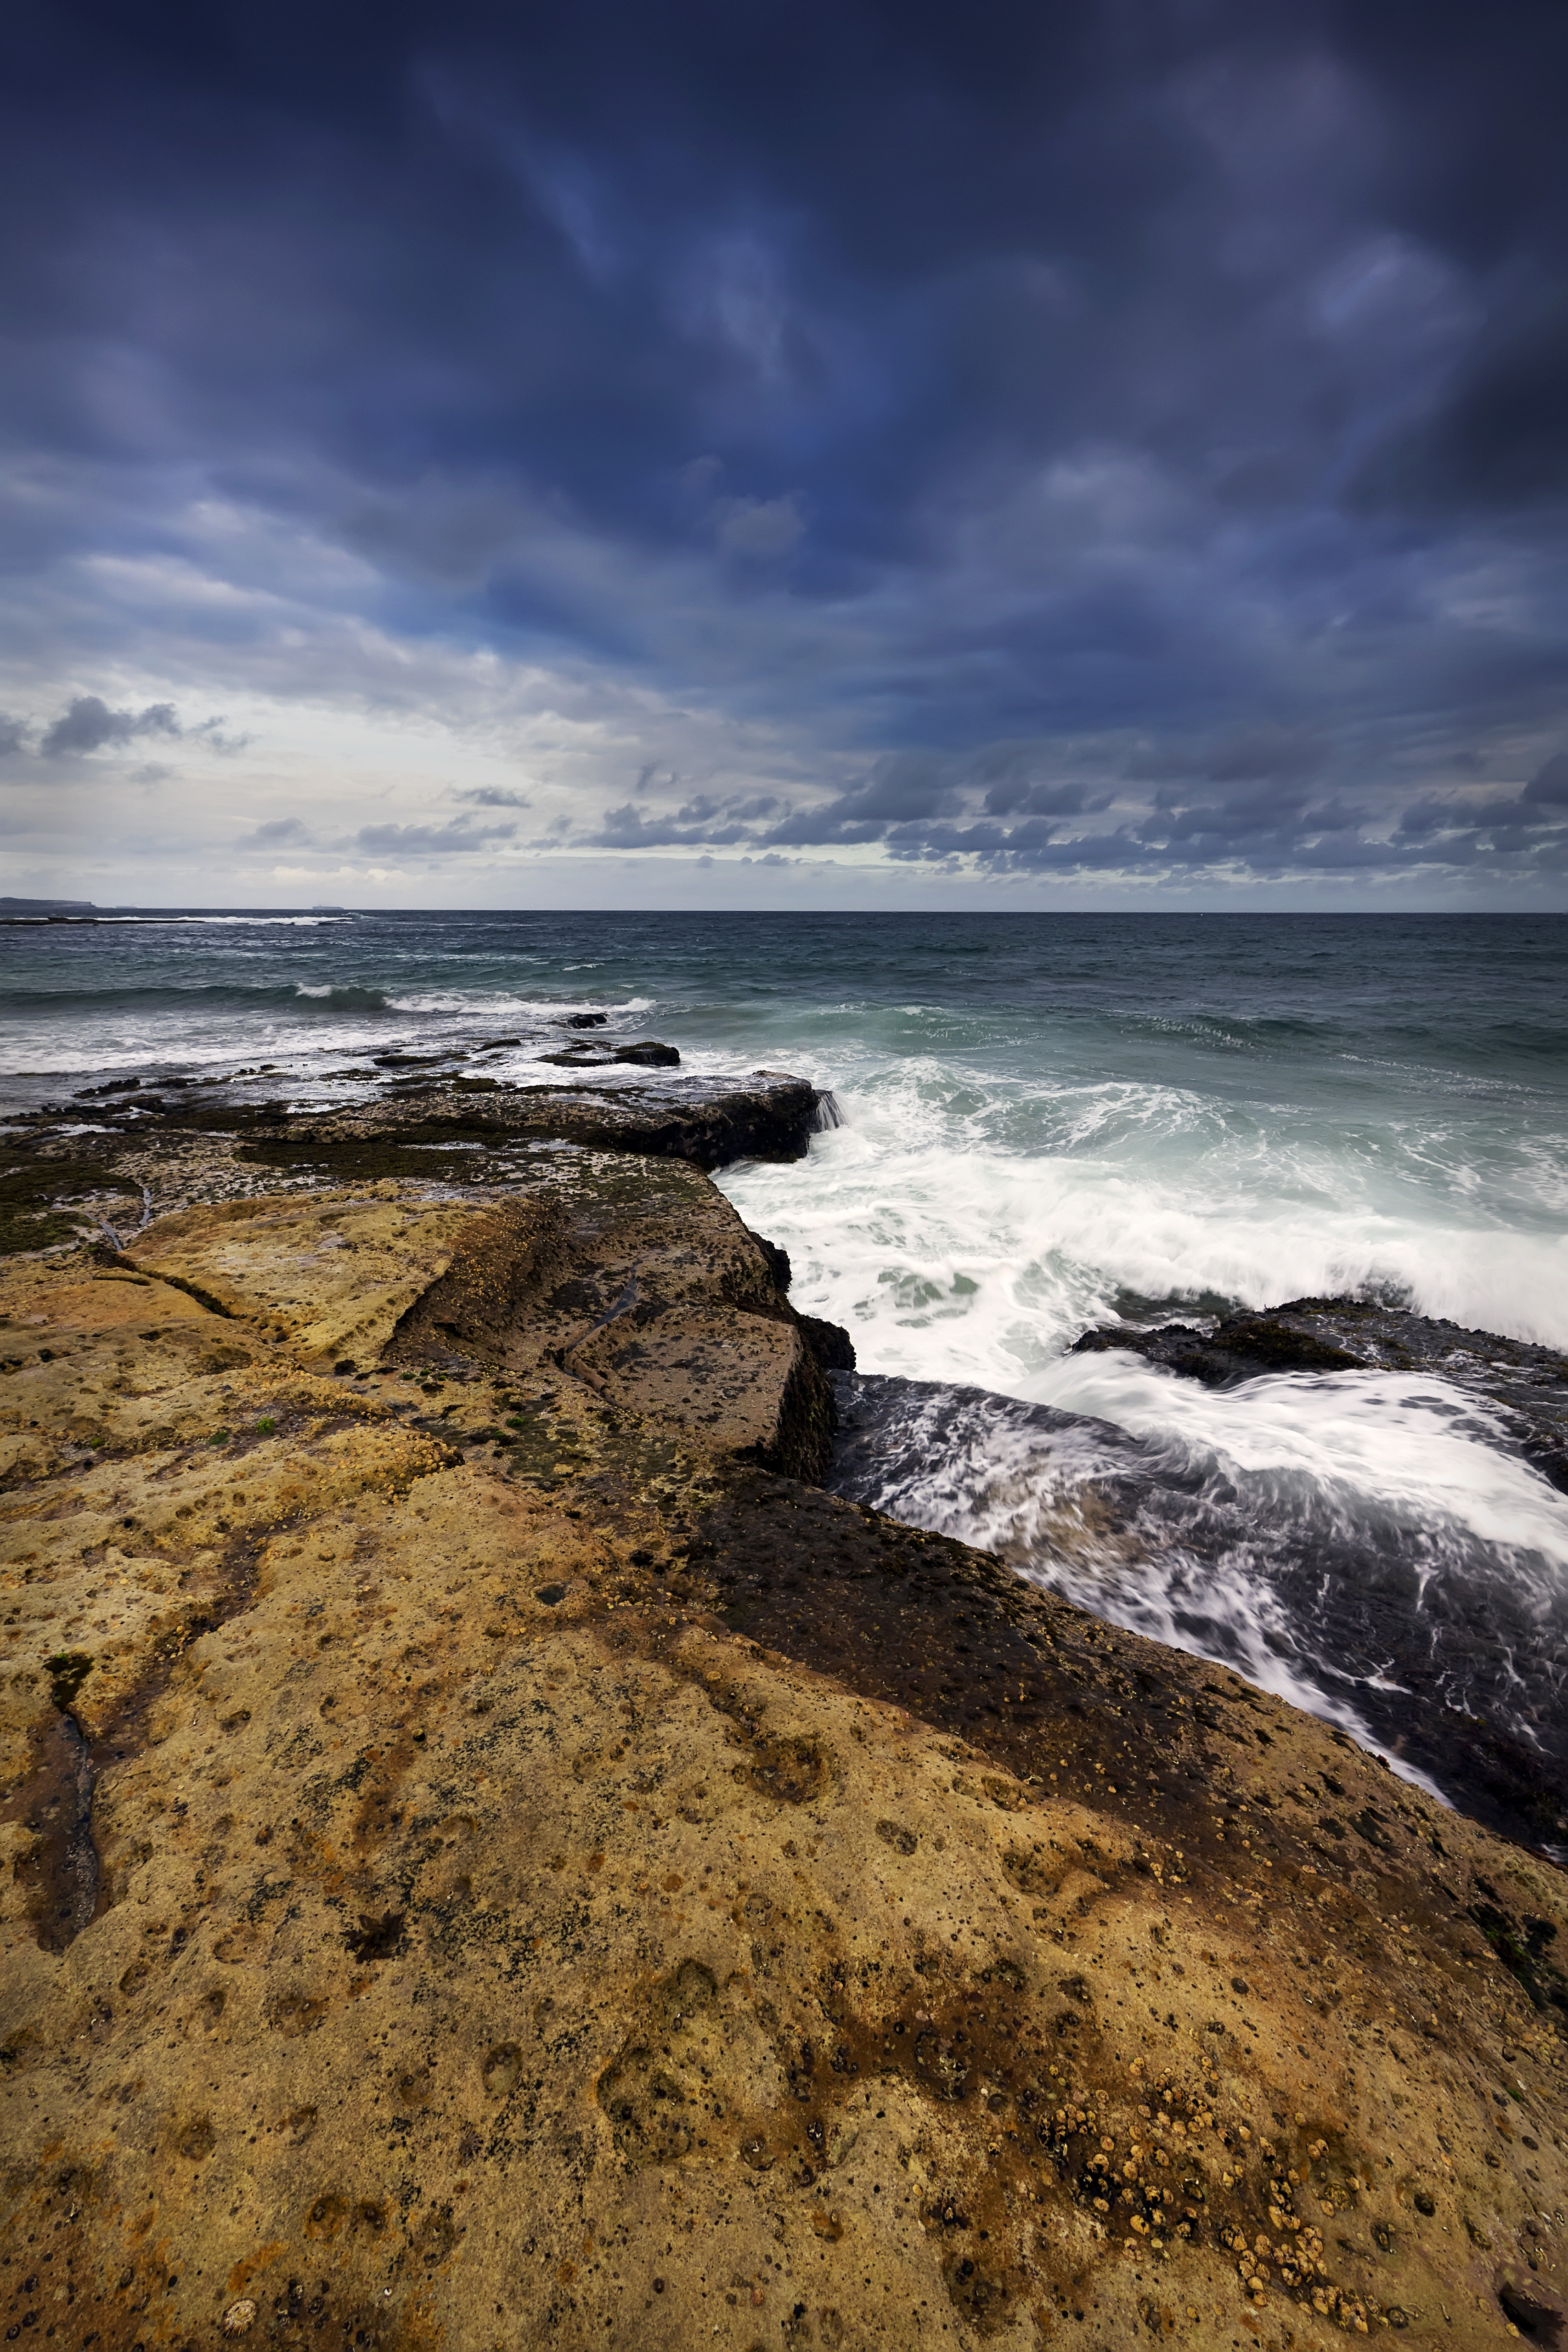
829 1343
649 1053
1235 1351
709 1121
778 1261
1333 1335
585 1021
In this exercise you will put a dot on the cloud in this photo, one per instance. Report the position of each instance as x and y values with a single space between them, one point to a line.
902 787
274 834
759 527
1010 809
1549 786
1243 755
14 733
460 838
1019 779
1532 822
211 736
1149 451
702 821
89 724
1497 437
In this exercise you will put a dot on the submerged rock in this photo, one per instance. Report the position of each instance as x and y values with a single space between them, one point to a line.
650 1054
563 1878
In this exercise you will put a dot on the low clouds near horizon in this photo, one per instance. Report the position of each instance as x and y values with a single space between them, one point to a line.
1084 446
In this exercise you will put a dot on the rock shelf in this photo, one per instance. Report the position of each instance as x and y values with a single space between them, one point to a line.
495 1855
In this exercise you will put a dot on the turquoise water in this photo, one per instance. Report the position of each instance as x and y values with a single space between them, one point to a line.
1047 1122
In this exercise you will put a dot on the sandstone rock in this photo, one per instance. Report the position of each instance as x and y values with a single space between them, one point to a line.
502 1863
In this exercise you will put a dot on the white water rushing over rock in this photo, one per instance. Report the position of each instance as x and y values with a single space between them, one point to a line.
1348 1541
969 1226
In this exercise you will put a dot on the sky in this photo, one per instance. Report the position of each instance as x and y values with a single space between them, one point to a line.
748 452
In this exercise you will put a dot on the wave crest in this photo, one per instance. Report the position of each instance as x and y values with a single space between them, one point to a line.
341 999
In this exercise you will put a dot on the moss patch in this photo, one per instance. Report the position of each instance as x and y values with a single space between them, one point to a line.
29 1218
368 1159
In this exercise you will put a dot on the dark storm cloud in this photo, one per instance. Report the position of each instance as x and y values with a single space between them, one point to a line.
995 812
702 822
900 789
1548 788
1242 756
1498 436
89 724
1130 436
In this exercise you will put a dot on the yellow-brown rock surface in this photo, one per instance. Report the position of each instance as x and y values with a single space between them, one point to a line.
494 1857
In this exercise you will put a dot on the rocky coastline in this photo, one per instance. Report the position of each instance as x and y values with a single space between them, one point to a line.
496 1853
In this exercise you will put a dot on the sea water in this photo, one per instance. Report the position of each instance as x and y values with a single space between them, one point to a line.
1050 1122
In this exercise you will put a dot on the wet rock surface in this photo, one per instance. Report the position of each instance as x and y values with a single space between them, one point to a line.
1334 1335
558 1876
140 1153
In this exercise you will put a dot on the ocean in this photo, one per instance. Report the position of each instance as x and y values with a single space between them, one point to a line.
1049 1123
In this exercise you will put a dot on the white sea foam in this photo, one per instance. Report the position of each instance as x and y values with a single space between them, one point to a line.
1406 1443
496 1005
966 1230
966 1225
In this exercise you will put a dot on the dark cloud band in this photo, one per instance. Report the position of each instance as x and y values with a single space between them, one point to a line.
1098 433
